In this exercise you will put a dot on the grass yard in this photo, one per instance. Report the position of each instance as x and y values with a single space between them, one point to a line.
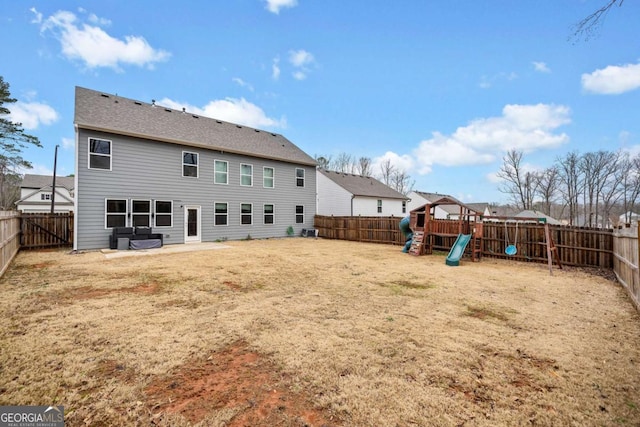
313 332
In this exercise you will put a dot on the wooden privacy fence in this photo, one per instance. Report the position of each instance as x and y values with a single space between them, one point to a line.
576 246
625 262
44 230
9 238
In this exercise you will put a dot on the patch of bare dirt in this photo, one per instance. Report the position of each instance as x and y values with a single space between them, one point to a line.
235 378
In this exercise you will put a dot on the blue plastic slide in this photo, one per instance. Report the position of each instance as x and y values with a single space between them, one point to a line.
408 234
456 252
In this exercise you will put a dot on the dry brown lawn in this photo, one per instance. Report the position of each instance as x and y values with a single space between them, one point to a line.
313 332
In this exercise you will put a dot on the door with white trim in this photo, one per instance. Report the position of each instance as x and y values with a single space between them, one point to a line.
192 224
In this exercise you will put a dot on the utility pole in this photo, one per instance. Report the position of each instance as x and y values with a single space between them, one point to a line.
53 185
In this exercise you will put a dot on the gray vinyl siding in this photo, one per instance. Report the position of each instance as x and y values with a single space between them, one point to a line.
149 170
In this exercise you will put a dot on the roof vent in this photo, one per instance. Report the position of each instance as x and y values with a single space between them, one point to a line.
239 127
218 121
273 134
104 95
137 102
194 116
184 110
153 102
256 130
168 110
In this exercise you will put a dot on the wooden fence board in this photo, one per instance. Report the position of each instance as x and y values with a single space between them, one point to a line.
9 238
45 230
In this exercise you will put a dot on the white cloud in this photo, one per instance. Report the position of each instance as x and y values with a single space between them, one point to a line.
301 60
487 81
37 19
94 19
400 162
521 127
541 67
612 80
33 114
93 47
232 110
275 69
242 83
274 6
68 143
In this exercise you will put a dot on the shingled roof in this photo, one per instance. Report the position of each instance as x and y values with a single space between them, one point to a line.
40 181
363 185
114 114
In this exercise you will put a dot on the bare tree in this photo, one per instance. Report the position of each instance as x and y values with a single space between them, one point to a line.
323 162
343 163
401 181
521 186
387 170
571 182
364 166
9 187
630 183
589 26
548 183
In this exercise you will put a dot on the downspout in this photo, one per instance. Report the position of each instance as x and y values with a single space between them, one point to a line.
353 196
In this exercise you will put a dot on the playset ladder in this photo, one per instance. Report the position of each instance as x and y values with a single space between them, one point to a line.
417 245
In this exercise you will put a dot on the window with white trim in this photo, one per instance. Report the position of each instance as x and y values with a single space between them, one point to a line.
45 196
246 213
299 177
269 214
404 206
115 213
141 213
299 214
268 177
99 154
189 164
379 206
220 172
221 213
246 175
163 213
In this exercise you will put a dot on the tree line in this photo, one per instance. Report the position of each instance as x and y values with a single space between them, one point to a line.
588 189
388 173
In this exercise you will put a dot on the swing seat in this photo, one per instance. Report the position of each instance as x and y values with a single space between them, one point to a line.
511 250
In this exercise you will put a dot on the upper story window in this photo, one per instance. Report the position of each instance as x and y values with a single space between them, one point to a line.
299 177
268 176
220 172
189 164
246 174
379 206
99 154
45 196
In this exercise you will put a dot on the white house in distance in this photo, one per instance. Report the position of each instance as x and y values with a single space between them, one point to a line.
421 198
36 192
344 194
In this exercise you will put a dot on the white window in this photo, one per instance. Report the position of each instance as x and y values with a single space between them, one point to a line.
220 172
269 214
115 213
246 175
189 164
379 206
163 213
45 196
141 213
221 213
99 154
299 177
299 214
404 206
246 215
268 176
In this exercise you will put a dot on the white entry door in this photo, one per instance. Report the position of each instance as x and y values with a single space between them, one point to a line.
192 224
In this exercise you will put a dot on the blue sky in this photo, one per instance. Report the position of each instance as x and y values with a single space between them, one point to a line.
442 88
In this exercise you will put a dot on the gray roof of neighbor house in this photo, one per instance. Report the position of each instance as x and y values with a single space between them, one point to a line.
537 214
363 185
40 181
112 113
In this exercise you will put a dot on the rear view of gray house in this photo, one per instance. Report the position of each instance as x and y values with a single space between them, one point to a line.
188 177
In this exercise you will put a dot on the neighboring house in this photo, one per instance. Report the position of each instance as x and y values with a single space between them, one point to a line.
188 177
630 218
539 215
482 208
36 192
344 194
